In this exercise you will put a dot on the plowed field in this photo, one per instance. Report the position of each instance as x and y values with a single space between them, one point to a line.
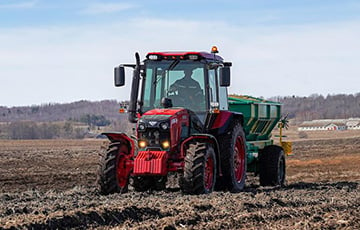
50 185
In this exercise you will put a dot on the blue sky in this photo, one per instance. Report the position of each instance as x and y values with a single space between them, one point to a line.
64 51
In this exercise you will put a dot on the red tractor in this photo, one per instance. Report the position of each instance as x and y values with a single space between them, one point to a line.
180 105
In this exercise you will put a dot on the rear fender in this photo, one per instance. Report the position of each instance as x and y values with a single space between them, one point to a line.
123 138
203 138
235 118
225 120
239 117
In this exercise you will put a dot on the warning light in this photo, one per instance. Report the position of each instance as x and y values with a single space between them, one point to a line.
121 110
214 107
214 50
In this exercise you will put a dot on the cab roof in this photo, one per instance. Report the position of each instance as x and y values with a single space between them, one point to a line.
178 54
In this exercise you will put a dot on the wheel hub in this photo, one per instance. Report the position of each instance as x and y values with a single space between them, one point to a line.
121 172
209 173
239 159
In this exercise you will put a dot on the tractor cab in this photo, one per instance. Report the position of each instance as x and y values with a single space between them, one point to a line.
195 81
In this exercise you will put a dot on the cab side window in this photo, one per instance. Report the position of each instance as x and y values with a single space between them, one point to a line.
212 86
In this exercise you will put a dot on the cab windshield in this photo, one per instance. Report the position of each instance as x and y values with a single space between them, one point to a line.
181 81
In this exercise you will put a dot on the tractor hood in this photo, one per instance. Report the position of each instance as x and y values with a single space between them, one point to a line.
168 112
163 118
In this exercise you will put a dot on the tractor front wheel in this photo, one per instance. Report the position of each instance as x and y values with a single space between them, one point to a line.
113 173
200 169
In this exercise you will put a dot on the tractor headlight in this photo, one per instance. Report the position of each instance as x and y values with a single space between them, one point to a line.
164 126
165 144
142 144
141 127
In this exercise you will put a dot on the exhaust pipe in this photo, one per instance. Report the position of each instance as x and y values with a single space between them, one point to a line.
134 91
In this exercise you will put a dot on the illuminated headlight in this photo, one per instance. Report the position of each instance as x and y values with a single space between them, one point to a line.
164 126
165 144
142 144
141 127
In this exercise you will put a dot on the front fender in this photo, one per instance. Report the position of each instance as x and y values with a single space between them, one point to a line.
122 137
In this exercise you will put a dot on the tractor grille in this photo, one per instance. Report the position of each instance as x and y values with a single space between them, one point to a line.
154 137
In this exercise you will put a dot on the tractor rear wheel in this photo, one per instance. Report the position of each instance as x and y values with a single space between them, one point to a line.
113 176
272 166
233 160
199 170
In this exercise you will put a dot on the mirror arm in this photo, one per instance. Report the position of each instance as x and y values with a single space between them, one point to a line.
129 65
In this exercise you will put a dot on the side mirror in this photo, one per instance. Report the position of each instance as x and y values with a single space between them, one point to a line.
225 76
119 76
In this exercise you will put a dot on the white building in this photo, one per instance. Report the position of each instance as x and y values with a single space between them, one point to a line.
353 123
322 125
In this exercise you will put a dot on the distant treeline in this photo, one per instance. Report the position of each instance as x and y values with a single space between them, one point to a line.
317 106
71 120
62 112
104 113
32 130
18 130
78 119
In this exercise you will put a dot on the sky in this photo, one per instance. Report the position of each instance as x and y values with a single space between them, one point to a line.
65 51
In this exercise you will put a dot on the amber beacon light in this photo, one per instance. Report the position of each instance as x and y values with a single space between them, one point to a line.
214 50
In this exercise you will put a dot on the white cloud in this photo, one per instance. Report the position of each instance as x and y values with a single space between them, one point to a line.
19 5
103 8
52 64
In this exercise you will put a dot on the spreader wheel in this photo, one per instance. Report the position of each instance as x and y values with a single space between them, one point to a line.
272 166
113 173
200 169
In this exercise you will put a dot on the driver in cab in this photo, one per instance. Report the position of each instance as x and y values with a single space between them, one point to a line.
187 87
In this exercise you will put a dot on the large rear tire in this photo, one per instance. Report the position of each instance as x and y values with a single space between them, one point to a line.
199 170
272 166
113 177
233 160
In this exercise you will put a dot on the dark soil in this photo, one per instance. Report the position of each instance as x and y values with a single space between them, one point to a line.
50 185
